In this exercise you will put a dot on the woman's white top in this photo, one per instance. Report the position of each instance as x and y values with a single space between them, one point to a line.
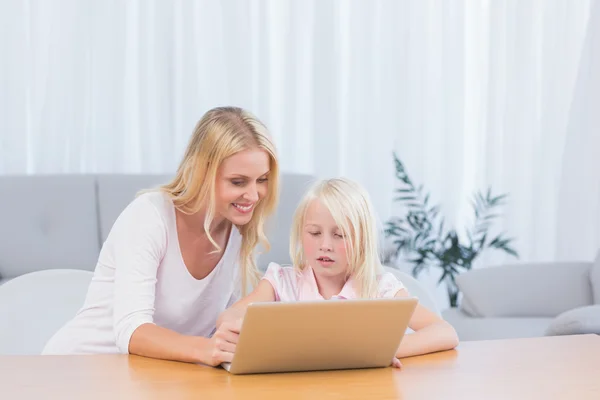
141 278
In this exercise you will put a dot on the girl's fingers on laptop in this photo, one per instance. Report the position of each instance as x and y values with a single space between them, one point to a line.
396 363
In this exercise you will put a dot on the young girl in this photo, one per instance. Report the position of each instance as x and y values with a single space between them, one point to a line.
335 255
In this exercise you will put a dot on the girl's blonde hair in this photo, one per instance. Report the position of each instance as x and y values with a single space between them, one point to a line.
350 207
221 133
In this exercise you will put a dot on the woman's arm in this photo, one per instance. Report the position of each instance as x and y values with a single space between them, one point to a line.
431 334
139 242
150 340
235 314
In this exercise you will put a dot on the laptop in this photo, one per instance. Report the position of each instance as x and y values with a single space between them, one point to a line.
321 335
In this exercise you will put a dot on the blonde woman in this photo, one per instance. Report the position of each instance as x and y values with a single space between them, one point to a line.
178 256
335 256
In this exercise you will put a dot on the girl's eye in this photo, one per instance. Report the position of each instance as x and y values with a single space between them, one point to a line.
314 233
339 235
262 180
238 183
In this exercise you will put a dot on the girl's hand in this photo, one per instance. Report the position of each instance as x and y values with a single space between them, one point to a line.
396 363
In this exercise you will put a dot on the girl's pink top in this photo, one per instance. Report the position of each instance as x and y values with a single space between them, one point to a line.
290 285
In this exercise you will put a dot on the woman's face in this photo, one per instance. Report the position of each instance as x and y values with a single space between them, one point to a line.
241 183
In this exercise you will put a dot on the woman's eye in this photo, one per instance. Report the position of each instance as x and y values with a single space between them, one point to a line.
339 235
314 233
238 183
262 180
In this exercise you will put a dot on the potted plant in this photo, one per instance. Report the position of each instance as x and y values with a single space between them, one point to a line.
421 238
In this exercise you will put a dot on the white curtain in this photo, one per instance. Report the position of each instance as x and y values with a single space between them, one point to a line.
469 94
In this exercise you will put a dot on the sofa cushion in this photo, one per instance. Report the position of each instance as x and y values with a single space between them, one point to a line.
528 290
47 222
595 278
473 328
578 321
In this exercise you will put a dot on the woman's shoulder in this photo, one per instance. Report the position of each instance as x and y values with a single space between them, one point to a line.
148 212
151 206
156 200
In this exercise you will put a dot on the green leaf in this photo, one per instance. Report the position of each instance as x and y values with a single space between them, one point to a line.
441 229
498 239
434 211
490 217
405 198
511 251
496 201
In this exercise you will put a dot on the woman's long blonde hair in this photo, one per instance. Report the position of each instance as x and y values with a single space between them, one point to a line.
351 208
221 133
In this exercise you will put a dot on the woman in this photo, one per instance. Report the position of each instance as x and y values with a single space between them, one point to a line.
178 256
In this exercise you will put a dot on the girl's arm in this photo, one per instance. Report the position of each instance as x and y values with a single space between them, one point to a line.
264 292
432 333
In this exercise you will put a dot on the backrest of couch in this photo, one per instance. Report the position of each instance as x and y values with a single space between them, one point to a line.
47 222
527 290
61 221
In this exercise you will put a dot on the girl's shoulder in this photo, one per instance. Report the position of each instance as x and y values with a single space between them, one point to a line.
277 271
388 284
285 281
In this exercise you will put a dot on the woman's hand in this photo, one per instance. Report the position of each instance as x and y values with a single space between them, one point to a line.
222 344
396 363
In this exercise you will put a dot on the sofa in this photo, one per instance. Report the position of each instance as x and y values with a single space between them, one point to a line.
61 221
528 300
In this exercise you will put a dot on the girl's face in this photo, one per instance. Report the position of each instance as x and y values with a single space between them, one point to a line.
323 243
241 183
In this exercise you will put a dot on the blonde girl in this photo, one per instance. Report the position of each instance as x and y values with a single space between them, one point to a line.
335 256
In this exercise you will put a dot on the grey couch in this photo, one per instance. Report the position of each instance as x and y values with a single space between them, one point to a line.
529 300
61 221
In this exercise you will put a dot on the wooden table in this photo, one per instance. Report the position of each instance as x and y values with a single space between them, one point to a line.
565 367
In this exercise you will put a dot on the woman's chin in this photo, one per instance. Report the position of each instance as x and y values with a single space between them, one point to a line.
238 218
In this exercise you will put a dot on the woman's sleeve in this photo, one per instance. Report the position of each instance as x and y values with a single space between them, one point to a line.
139 243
